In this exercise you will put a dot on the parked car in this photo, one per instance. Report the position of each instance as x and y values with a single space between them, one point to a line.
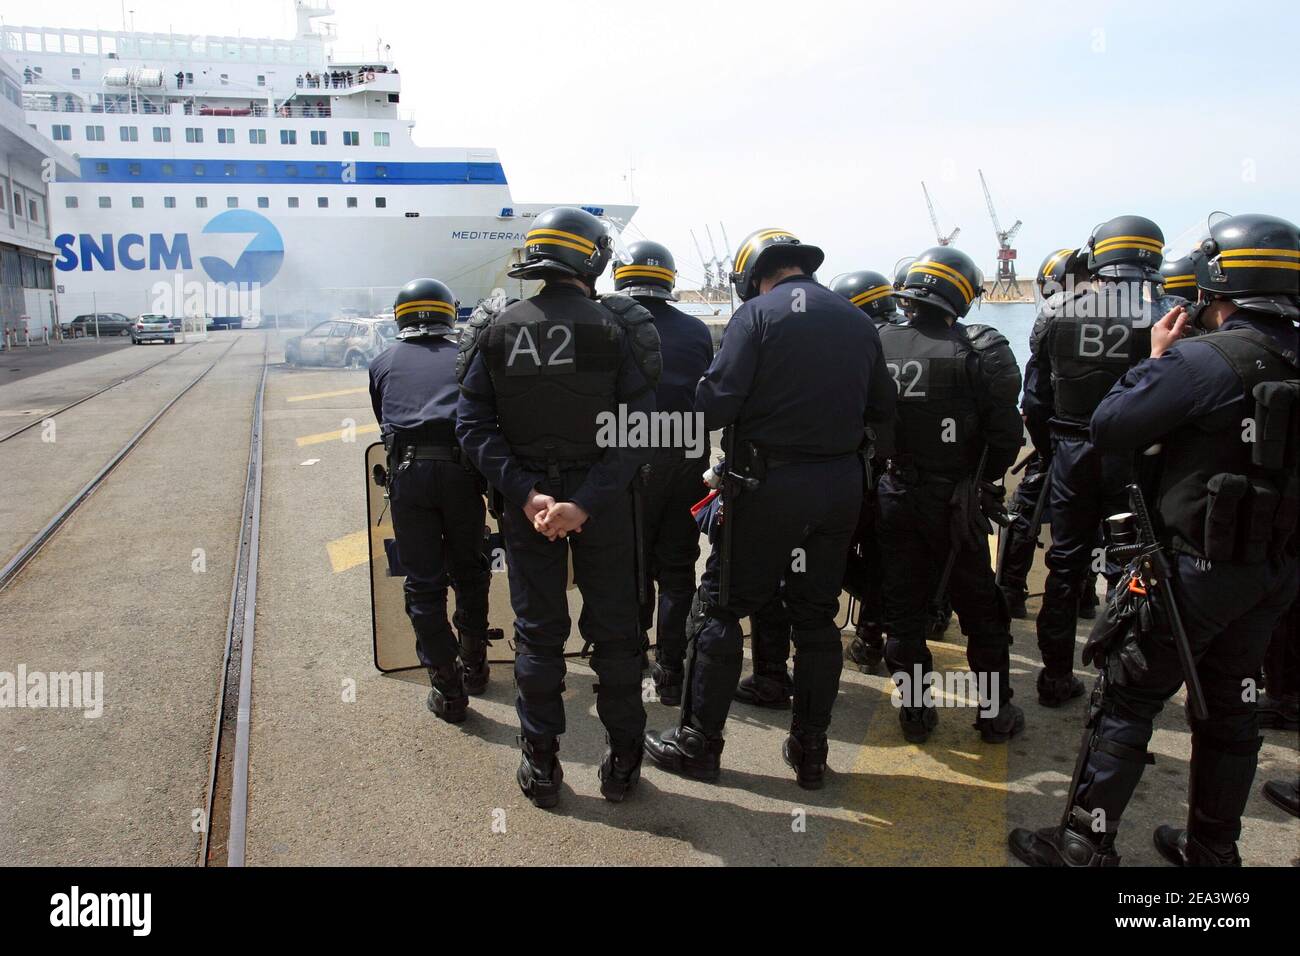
153 327
385 325
349 343
219 323
110 323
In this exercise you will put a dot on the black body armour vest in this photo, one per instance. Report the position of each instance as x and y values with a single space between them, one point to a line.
1097 336
554 363
1229 489
938 419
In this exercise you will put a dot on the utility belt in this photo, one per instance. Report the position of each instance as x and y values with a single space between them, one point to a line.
554 467
904 468
1069 431
1247 519
762 460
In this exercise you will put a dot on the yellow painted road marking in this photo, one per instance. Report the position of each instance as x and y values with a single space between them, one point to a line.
320 437
353 549
943 803
315 395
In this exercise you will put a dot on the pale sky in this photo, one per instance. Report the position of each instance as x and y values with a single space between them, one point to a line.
822 117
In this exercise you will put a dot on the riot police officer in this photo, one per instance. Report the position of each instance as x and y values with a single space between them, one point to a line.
798 377
873 294
672 484
540 379
1061 271
1226 503
1086 339
957 432
435 495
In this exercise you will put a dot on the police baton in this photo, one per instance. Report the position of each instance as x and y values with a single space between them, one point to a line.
937 601
638 529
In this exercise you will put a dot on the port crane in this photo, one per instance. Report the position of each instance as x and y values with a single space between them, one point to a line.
934 221
1005 284
710 280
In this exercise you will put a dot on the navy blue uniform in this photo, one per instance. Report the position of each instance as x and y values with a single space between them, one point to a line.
437 503
600 484
1229 607
672 539
799 375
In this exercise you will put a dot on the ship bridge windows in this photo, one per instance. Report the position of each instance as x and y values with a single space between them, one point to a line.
95 134
129 134
351 137
193 134
318 137
225 135
162 134
61 132
288 137
200 202
169 202
293 202
257 137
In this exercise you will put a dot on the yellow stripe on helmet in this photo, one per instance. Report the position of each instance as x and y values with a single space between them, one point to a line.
548 235
939 270
560 242
425 305
867 296
1261 264
1114 243
652 272
1051 263
752 243
1284 253
1179 282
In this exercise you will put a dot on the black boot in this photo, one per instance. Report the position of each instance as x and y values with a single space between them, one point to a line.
619 771
917 722
867 648
1055 691
766 689
668 683
686 750
448 699
1062 846
998 730
1182 849
805 754
1280 712
473 654
539 773
1283 794
1016 598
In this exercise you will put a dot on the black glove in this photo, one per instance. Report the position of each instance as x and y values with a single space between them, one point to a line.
993 503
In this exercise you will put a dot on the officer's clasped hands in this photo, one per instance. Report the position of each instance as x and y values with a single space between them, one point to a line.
559 519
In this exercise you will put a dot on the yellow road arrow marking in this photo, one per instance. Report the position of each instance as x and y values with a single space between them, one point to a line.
320 437
337 394
353 549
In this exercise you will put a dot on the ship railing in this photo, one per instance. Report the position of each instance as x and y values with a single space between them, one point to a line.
53 103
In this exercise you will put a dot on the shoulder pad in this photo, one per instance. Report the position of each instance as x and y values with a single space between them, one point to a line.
638 322
479 319
999 371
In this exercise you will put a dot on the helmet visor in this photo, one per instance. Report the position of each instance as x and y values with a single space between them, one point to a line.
1191 238
618 247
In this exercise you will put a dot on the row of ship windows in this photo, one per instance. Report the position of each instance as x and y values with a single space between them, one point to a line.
232 202
320 170
62 133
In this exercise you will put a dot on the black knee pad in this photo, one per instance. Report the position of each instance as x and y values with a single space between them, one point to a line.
539 672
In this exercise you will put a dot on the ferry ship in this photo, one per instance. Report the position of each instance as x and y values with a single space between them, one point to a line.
262 164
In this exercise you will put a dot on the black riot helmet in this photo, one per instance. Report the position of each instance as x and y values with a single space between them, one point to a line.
768 249
900 271
943 277
565 241
425 302
1126 247
869 291
1179 277
1254 260
652 273
1056 270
